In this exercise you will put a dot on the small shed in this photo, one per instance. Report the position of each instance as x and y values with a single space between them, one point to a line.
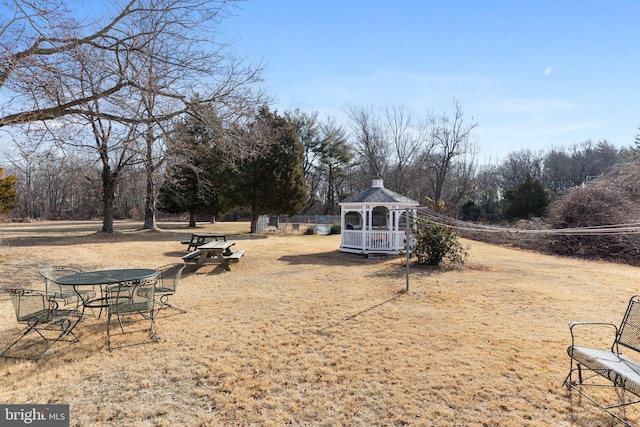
372 222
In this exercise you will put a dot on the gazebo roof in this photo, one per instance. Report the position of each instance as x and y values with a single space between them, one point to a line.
377 194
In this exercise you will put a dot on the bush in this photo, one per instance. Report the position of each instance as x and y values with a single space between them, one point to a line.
335 229
595 205
309 231
437 242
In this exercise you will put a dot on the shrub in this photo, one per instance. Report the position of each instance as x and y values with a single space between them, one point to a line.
335 229
595 205
309 231
437 242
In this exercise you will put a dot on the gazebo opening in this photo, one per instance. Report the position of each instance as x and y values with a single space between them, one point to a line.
379 216
353 221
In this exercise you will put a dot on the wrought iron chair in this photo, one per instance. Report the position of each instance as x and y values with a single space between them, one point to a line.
68 295
168 278
41 313
131 299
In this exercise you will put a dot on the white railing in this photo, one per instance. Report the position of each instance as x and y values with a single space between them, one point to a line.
352 238
373 240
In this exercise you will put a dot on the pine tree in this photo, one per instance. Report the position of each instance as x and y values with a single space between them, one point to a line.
198 179
527 199
8 194
272 182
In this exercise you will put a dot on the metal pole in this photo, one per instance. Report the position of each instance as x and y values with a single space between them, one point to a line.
407 246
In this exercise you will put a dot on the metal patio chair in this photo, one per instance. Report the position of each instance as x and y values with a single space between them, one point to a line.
131 299
167 282
65 293
42 315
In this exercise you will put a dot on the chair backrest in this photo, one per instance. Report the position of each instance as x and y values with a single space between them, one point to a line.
50 274
30 306
169 276
629 331
137 297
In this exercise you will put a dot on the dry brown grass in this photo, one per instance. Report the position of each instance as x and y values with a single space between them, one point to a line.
301 334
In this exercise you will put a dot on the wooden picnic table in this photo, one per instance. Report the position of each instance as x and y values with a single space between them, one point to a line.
198 239
214 249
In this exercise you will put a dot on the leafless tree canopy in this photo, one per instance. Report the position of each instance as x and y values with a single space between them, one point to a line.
163 47
435 158
112 84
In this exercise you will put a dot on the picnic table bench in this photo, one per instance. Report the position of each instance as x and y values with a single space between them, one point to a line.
198 239
593 365
214 250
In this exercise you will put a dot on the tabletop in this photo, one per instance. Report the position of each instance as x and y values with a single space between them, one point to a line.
210 235
107 277
215 245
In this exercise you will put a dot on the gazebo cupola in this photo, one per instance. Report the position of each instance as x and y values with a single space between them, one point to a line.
372 222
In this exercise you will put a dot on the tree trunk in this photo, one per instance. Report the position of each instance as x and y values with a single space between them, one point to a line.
192 219
150 204
108 195
150 199
254 222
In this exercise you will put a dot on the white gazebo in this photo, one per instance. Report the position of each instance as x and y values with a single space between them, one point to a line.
372 222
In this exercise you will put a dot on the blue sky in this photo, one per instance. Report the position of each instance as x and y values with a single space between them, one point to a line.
532 74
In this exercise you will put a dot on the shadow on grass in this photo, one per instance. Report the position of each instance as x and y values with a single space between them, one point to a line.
358 314
56 237
332 258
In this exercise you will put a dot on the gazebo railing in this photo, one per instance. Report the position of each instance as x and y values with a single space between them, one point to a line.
352 238
382 240
379 240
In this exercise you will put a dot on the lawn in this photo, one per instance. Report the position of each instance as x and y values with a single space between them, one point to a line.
298 333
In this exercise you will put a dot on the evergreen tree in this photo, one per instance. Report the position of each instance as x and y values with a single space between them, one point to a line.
335 158
272 181
8 194
198 178
527 199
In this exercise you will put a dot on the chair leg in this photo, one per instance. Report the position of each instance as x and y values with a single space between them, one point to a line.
163 302
29 329
109 331
121 324
152 329
67 329
153 333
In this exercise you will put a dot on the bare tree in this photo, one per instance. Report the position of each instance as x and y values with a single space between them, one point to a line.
41 42
407 141
143 64
53 186
518 164
373 151
449 144
178 72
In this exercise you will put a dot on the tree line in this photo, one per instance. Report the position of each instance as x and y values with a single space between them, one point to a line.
303 164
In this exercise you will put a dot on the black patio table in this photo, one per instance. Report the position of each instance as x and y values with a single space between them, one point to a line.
103 278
